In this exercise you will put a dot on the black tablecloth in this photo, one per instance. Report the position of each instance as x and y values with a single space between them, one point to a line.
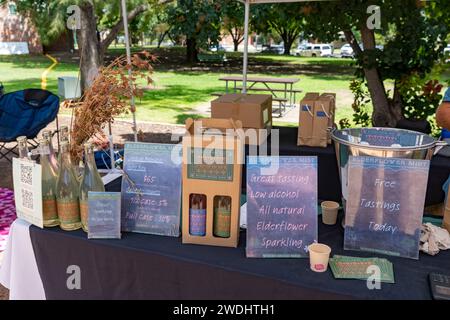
155 267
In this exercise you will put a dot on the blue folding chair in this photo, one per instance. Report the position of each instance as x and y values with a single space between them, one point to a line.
25 113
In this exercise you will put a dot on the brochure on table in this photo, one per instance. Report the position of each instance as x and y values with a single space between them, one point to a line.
104 215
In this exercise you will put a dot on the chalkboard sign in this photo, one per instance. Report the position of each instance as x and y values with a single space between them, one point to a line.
104 215
385 205
281 206
151 189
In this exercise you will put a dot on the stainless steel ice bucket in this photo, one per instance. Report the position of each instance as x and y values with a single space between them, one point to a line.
380 142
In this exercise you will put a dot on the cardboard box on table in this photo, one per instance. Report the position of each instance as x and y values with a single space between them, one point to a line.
253 110
207 186
331 96
316 119
306 117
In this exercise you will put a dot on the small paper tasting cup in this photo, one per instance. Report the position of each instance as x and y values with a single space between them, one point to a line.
319 255
329 212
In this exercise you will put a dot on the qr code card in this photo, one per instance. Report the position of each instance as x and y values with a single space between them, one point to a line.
28 191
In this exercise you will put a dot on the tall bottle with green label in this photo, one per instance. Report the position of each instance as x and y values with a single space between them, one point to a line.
63 136
91 181
47 134
49 176
67 192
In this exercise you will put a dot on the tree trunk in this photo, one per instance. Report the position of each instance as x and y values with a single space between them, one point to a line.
237 38
287 46
191 50
161 38
382 115
236 45
92 51
89 46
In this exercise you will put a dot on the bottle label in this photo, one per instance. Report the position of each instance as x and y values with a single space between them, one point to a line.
222 223
49 208
197 222
44 150
68 211
84 211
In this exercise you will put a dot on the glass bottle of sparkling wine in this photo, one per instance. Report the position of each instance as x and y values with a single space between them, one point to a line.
22 145
47 134
91 181
50 213
67 192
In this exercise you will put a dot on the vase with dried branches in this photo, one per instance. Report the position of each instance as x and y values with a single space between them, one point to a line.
107 98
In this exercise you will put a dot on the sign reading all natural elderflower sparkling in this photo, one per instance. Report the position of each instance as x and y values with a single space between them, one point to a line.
281 207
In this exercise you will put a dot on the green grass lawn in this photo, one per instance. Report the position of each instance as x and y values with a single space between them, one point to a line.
182 91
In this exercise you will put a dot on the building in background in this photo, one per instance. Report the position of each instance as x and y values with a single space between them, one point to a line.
18 35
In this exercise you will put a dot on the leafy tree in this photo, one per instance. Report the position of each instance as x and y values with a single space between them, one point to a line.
198 21
50 18
414 33
285 19
233 20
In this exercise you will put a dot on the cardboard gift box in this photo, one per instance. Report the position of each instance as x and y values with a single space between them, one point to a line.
316 119
253 110
305 127
331 97
211 179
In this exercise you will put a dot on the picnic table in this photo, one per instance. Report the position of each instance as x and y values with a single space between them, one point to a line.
268 84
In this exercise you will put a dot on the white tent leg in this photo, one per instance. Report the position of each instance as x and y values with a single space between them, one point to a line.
245 62
127 44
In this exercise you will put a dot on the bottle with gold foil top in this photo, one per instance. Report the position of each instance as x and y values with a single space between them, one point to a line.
67 192
222 217
91 181
47 134
50 213
22 145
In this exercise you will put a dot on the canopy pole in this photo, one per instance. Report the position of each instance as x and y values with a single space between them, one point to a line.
127 45
245 62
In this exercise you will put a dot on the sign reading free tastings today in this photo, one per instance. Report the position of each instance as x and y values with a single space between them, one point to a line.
385 205
151 189
281 206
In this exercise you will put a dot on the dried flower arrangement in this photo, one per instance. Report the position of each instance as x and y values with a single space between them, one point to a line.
108 97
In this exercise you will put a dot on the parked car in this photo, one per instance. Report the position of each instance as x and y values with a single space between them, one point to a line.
300 49
347 51
317 50
217 48
447 52
274 49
